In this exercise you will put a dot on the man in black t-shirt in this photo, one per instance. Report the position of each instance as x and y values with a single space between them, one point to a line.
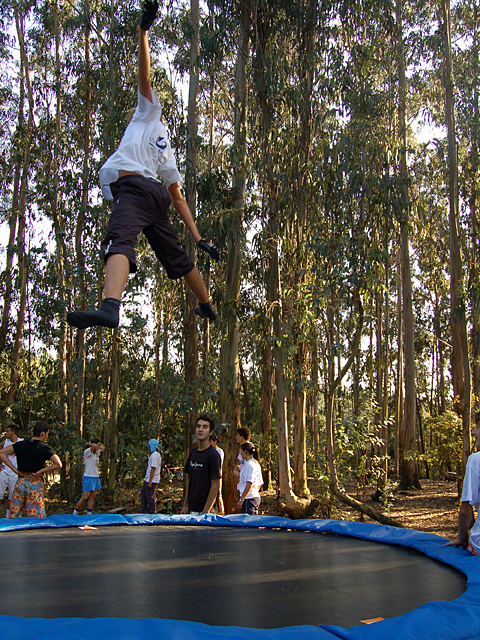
203 470
32 456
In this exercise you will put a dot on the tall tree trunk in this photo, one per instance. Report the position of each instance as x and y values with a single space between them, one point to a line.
399 405
407 465
79 369
21 213
59 227
333 383
12 224
114 370
229 381
111 440
261 29
475 251
190 323
307 28
315 392
460 356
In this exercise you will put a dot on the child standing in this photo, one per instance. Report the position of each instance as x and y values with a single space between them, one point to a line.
152 478
250 480
91 476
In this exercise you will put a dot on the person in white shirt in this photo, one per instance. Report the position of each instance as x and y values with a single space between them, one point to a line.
251 480
130 177
91 475
221 453
470 499
152 478
8 478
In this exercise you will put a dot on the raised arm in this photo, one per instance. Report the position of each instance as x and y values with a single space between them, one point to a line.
144 85
149 13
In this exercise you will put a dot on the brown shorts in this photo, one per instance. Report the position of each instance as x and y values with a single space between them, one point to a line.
141 205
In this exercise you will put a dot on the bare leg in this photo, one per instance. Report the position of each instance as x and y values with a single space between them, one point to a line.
91 500
116 276
196 285
83 499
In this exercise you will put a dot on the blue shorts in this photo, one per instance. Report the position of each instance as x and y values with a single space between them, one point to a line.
91 484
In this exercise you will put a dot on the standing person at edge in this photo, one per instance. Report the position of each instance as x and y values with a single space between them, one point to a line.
152 478
221 453
242 436
32 454
251 480
91 475
130 178
8 478
470 499
203 469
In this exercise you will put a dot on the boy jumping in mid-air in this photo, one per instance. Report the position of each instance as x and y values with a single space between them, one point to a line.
130 177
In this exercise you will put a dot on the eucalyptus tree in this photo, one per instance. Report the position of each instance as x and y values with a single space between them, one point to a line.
267 78
461 374
406 430
11 132
466 64
230 366
28 130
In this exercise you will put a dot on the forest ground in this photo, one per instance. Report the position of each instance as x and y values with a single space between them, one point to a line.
433 509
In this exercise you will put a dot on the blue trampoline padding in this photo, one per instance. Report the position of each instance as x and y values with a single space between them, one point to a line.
457 620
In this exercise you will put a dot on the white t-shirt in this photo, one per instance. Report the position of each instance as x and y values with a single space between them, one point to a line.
155 460
471 494
251 472
241 462
13 459
221 453
144 149
91 463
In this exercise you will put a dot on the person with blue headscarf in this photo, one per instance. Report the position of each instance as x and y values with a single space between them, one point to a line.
148 502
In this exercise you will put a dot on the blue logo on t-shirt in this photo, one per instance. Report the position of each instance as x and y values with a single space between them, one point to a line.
160 144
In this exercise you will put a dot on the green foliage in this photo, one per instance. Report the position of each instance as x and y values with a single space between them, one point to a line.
445 453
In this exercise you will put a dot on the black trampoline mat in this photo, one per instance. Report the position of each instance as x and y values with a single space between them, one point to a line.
246 577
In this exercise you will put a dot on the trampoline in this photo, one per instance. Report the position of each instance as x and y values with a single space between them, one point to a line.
237 576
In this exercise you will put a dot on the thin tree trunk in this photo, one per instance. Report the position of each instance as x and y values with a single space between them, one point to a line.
475 252
460 356
59 227
399 406
79 400
12 223
111 442
407 465
333 383
190 324
229 382
22 274
307 28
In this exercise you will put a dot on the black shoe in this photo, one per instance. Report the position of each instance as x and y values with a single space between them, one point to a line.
107 316
205 310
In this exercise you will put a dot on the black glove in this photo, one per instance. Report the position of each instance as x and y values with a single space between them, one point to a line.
149 13
209 248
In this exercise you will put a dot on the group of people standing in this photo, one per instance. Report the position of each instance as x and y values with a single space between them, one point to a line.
203 473
24 462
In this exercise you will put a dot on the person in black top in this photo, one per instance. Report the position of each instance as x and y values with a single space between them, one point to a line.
203 469
32 456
